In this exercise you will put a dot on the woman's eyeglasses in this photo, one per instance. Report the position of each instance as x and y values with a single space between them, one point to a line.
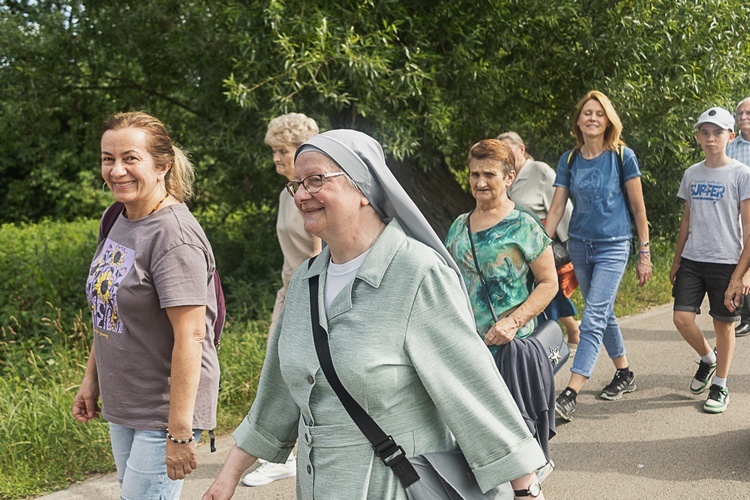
312 183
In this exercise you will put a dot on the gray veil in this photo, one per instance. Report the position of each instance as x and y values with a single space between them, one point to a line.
362 158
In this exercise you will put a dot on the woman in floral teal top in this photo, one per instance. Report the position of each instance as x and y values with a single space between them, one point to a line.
509 243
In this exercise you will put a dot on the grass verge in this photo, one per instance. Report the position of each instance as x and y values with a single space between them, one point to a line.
44 448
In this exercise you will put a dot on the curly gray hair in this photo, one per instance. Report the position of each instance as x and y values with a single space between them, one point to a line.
290 129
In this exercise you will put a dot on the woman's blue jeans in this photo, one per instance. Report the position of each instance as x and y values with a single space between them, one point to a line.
141 460
599 267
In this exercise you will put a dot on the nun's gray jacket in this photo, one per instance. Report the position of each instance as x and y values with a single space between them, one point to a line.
403 344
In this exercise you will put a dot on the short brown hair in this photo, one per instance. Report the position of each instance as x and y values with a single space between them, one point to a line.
167 155
493 149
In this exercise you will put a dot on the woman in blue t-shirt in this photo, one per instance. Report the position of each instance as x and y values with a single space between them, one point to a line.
602 178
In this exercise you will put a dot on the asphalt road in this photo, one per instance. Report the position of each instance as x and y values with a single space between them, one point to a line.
654 443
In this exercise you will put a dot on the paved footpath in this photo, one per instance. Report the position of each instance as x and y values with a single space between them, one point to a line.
654 443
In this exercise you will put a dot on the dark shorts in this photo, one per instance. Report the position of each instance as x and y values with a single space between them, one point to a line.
696 279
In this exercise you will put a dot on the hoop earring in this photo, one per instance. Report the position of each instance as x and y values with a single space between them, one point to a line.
104 186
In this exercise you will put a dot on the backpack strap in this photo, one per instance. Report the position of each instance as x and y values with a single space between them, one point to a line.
221 309
572 157
109 218
621 171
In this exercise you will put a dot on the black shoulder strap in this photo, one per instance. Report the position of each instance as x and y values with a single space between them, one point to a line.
385 447
572 157
620 153
109 218
485 286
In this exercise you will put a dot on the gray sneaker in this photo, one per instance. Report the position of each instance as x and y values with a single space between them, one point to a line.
565 405
619 386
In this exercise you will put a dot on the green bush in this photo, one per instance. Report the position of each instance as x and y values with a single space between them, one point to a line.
241 358
248 257
43 264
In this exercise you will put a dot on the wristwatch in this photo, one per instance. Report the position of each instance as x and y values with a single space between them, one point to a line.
533 490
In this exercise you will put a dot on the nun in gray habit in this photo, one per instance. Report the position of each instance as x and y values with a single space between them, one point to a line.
402 341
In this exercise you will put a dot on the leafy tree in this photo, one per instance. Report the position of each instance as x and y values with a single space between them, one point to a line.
69 67
429 79
426 78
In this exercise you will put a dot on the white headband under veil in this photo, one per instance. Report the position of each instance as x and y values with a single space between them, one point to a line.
362 158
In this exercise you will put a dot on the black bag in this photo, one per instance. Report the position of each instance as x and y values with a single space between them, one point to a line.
431 476
549 334
560 251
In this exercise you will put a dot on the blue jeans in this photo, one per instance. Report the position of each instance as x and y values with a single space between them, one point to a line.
141 460
599 267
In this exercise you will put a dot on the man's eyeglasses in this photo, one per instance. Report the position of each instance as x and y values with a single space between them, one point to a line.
312 183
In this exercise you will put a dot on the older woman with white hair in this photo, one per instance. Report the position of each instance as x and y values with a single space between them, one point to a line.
284 135
402 340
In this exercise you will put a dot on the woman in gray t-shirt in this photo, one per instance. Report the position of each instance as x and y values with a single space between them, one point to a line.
153 306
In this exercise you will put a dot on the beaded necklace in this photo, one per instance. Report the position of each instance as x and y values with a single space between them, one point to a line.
156 207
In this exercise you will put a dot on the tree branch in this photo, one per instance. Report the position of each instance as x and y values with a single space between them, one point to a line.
130 85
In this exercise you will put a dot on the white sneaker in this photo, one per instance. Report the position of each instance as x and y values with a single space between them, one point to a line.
269 472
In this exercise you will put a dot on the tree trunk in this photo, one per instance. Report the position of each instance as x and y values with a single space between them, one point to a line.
437 194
